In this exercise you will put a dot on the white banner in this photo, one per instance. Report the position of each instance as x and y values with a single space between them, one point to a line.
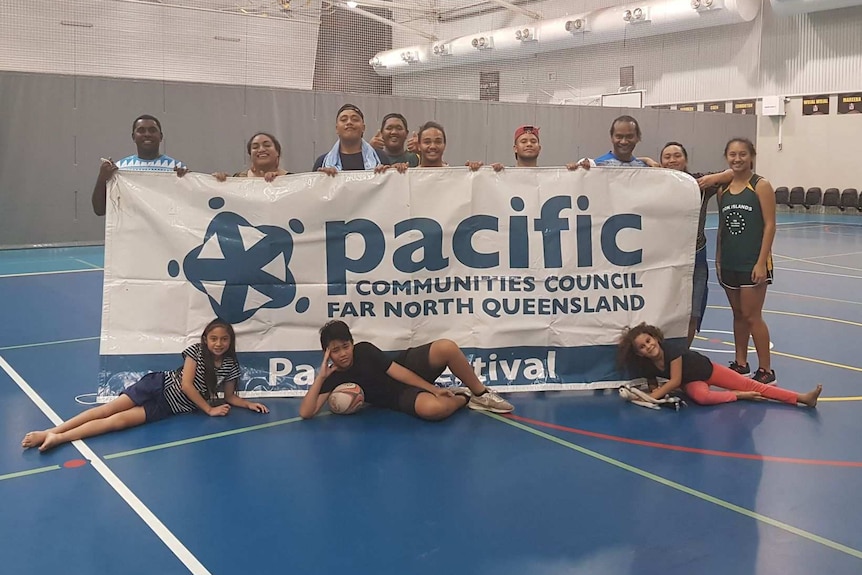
533 272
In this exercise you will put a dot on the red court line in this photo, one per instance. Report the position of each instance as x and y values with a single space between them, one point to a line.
669 447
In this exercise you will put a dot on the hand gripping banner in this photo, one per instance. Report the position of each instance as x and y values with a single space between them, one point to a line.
533 272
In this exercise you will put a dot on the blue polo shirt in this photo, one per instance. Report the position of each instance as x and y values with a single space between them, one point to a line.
161 164
610 159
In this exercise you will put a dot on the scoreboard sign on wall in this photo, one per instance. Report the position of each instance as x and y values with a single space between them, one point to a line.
815 105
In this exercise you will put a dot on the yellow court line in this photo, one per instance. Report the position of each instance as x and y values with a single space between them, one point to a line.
791 356
814 360
796 314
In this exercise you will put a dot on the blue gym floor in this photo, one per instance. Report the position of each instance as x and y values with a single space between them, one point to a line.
576 482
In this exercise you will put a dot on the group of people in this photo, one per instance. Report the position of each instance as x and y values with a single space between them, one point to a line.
207 381
746 204
391 147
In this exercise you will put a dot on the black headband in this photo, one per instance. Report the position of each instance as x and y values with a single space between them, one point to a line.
350 107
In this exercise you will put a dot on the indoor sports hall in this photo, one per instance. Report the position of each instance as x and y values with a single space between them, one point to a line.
574 481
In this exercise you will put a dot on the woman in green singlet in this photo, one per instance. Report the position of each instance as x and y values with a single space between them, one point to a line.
746 208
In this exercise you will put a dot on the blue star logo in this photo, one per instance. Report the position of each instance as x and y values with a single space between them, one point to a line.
242 268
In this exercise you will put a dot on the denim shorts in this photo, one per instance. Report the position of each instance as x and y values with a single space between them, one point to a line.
149 393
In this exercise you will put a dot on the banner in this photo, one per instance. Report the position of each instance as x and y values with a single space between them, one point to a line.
533 272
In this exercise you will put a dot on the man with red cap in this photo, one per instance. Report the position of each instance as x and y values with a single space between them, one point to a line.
526 148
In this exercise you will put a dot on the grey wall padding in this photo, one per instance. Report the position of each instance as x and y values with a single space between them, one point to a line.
55 129
467 130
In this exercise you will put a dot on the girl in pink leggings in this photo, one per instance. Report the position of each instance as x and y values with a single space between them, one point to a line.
642 348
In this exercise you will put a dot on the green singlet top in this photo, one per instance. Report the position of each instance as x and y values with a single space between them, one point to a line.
741 222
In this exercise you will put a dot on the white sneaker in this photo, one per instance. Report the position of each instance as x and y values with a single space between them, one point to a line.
490 401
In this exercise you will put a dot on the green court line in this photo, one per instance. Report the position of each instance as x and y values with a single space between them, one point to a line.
202 438
166 445
30 472
25 345
679 487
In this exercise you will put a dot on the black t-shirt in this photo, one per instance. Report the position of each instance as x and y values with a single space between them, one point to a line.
705 196
695 366
348 162
369 372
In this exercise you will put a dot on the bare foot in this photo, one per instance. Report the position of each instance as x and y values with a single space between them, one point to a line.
810 398
33 439
51 440
752 395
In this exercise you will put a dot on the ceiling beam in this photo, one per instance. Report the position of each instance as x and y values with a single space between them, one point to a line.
353 7
517 9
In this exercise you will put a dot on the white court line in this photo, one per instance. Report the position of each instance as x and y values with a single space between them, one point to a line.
162 532
804 225
853 235
802 295
49 273
812 272
828 256
789 227
791 258
86 263
819 273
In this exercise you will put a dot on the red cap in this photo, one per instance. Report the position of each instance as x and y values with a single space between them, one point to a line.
526 130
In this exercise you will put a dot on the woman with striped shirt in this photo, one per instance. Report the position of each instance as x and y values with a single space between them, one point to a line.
207 367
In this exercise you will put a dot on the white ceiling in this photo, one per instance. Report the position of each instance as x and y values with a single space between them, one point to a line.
431 9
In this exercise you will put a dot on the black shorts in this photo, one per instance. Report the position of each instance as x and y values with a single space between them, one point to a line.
149 393
416 360
732 279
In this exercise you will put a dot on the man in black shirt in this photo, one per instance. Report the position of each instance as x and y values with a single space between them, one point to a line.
406 384
350 152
